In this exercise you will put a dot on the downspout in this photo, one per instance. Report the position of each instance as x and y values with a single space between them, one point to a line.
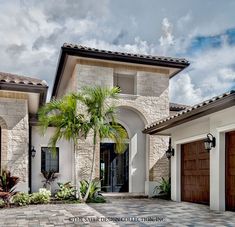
30 160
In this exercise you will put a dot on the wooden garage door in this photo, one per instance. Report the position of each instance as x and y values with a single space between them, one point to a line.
230 171
195 173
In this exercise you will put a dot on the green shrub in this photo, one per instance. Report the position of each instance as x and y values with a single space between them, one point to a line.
2 203
41 197
93 196
97 199
21 199
164 188
66 191
93 191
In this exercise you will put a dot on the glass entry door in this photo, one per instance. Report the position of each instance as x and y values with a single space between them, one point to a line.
114 169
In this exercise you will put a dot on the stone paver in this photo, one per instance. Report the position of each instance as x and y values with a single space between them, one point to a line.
164 213
126 212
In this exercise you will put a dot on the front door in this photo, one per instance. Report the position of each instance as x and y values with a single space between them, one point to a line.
114 169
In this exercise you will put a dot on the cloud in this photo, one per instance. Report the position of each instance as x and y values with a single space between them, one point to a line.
32 33
183 91
167 38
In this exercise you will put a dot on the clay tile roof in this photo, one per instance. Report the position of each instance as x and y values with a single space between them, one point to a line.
177 107
9 78
140 56
182 115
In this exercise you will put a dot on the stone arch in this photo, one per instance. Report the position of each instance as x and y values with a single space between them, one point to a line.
136 110
4 143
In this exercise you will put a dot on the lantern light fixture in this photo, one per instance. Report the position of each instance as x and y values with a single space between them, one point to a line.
209 142
33 152
170 151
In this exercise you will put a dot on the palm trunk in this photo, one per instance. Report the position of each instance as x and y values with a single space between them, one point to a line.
78 193
92 167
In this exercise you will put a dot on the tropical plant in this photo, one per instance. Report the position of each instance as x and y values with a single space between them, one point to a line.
8 182
69 123
2 203
93 193
66 191
41 197
93 190
164 187
21 199
49 177
102 123
7 186
97 117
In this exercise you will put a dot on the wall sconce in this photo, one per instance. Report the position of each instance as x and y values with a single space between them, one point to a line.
170 151
209 142
33 152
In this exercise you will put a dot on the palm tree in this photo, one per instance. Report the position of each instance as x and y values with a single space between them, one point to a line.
68 122
102 122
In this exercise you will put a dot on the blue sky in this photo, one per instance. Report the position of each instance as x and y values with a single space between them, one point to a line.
201 31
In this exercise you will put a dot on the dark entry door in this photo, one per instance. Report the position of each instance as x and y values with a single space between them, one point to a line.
114 169
195 172
230 171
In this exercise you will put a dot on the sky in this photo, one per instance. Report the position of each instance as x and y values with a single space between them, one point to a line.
202 31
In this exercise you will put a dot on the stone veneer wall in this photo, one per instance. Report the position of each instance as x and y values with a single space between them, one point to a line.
14 140
151 102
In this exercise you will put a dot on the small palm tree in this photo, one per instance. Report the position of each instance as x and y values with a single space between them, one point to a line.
68 122
102 122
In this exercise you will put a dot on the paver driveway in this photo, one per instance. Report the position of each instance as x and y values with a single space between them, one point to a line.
143 212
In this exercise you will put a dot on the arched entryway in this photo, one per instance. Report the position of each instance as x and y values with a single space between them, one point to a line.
133 173
114 167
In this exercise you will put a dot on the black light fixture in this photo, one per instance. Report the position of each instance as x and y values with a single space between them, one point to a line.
33 152
170 151
209 142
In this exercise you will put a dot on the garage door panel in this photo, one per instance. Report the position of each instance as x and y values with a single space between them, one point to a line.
230 171
195 173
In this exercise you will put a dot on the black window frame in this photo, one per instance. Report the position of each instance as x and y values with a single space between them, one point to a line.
43 159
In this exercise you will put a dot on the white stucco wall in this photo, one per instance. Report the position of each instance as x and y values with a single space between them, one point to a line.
137 149
65 159
217 124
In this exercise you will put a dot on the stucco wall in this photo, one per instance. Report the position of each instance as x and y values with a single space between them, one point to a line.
14 141
218 124
66 166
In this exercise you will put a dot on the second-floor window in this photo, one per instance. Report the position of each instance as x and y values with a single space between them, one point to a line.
125 82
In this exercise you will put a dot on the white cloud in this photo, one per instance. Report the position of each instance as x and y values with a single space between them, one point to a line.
183 91
32 33
167 39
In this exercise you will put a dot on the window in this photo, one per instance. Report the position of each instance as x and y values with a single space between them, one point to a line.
125 82
49 161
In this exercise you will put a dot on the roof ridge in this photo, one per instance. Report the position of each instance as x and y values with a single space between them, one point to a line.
154 57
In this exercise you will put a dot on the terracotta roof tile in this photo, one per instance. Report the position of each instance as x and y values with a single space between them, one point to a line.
177 107
142 56
190 109
10 78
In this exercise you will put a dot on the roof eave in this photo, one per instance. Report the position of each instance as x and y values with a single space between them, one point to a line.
192 115
42 90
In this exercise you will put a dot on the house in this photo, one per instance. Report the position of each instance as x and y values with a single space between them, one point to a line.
144 81
203 161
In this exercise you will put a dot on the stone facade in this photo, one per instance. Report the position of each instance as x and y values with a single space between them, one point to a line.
151 102
14 138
